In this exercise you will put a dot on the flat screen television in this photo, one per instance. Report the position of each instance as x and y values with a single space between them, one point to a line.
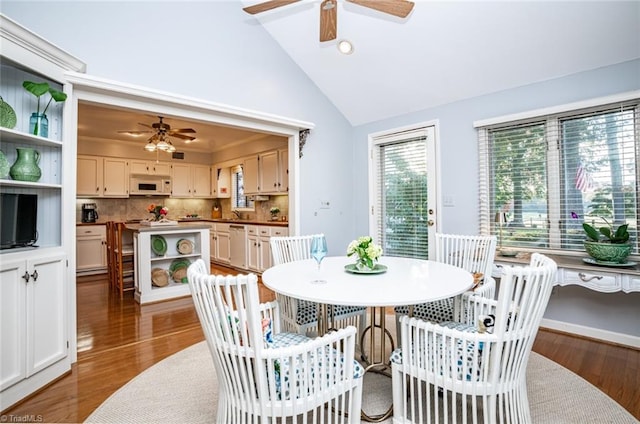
18 217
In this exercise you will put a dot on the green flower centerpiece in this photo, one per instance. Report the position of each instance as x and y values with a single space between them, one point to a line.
38 123
607 244
367 251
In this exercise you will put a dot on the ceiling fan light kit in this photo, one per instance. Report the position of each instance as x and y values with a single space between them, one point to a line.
329 12
160 139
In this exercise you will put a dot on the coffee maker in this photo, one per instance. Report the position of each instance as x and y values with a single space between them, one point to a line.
89 212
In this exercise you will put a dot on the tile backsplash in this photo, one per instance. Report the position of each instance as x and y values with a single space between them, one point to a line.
136 208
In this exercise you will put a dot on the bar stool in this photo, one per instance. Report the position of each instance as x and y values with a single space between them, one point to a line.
111 273
123 263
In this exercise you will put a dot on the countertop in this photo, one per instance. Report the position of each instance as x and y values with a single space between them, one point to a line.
206 220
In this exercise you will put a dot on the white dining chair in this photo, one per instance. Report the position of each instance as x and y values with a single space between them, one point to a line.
454 372
473 253
301 315
263 374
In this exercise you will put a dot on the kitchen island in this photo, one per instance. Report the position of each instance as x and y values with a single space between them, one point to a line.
162 254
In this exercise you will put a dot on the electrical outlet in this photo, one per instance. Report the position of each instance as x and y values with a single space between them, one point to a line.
324 204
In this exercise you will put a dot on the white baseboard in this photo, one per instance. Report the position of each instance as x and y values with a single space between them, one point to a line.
594 333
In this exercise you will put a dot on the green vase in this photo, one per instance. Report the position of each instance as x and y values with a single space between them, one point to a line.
4 165
25 168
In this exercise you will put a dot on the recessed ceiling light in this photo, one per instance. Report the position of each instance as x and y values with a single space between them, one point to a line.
345 46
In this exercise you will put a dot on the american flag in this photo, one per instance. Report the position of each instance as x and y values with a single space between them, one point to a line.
584 182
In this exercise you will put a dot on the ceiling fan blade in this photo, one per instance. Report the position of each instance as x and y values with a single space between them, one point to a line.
328 20
399 8
183 130
182 136
145 125
267 5
133 132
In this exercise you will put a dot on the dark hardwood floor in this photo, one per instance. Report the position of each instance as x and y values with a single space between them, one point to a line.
119 339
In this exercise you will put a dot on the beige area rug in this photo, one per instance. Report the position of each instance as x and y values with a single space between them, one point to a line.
182 389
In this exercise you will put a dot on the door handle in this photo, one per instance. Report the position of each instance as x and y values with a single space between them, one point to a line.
26 276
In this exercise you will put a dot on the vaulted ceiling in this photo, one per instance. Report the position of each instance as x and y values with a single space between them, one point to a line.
446 51
442 52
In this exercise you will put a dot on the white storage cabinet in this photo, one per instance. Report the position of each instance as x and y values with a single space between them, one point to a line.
37 299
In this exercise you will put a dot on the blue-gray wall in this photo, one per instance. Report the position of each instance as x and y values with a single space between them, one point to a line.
214 51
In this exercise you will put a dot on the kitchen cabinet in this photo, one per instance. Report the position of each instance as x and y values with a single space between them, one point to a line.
34 323
147 260
220 243
37 341
191 181
221 182
102 177
91 249
258 247
250 175
146 167
238 246
263 174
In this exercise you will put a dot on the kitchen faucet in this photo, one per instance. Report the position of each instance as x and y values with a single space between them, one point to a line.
237 214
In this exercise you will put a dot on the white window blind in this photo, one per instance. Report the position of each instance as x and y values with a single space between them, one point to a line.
238 199
400 162
548 175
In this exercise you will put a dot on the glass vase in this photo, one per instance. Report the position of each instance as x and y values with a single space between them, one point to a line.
39 125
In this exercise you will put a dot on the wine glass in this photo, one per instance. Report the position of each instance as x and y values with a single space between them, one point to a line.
318 252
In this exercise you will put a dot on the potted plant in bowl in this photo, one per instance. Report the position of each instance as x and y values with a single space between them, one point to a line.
38 123
607 244
274 211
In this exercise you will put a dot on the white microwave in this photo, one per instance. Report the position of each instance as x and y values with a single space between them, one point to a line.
149 185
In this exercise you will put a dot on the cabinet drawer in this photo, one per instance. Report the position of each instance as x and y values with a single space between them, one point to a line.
224 228
595 280
252 231
265 231
279 232
91 230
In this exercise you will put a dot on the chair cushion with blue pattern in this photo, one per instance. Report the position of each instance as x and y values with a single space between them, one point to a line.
436 311
464 361
308 311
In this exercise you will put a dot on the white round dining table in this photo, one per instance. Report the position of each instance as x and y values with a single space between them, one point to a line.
405 281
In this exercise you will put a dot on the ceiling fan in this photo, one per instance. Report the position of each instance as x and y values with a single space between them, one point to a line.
161 133
328 11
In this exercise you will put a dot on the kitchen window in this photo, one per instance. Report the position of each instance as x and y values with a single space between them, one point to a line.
547 174
239 201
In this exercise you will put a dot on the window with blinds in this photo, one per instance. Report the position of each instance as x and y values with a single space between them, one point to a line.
238 199
400 163
545 176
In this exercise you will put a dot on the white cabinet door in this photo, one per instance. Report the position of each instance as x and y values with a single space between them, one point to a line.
265 254
283 180
269 172
181 181
200 181
13 325
116 178
253 253
34 336
47 340
250 175
213 245
224 247
89 176
91 248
